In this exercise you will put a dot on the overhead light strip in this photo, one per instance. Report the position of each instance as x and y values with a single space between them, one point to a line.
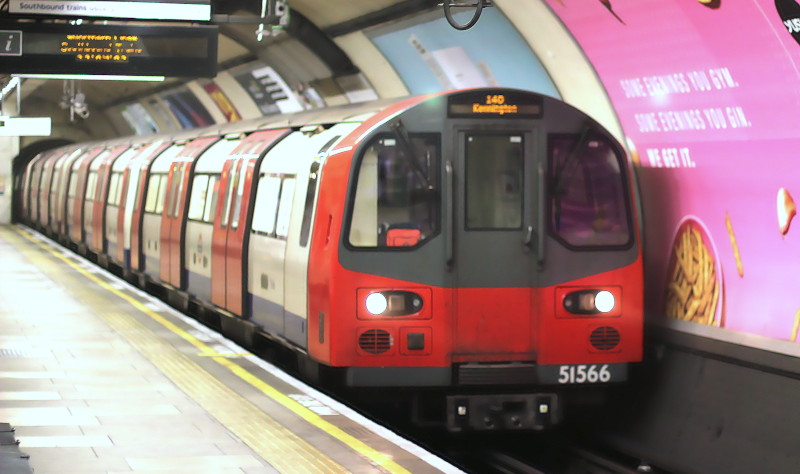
91 77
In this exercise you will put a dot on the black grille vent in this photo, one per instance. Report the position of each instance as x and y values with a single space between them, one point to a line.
604 338
496 374
375 341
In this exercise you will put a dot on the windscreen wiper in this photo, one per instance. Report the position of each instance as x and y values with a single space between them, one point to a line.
407 150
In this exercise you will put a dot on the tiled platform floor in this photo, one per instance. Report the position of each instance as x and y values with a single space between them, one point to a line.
99 377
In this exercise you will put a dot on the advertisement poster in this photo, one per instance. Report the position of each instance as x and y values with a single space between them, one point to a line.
188 109
437 57
225 106
268 90
705 92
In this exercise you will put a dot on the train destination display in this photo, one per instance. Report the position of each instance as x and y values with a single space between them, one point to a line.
173 51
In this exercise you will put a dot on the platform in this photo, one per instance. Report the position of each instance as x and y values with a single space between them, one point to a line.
97 376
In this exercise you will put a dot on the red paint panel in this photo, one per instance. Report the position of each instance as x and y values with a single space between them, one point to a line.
494 324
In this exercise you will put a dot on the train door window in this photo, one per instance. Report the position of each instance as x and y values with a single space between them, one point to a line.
266 208
211 204
113 187
308 210
232 178
396 202
237 203
197 201
72 190
588 205
91 183
494 191
285 207
177 189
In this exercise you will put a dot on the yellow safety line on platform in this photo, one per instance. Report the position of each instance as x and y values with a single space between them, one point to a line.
252 437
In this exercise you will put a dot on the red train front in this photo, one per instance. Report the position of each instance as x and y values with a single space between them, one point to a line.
488 243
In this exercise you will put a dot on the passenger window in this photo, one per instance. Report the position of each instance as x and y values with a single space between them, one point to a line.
197 201
285 207
396 202
153 186
113 185
266 208
587 199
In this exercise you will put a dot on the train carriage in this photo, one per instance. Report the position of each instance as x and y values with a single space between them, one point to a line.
481 244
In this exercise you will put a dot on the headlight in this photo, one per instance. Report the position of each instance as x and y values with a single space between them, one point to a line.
376 303
589 302
393 303
604 301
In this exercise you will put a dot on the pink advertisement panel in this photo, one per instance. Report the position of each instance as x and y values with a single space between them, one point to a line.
707 91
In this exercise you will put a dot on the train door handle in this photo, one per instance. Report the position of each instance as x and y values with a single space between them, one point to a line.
528 237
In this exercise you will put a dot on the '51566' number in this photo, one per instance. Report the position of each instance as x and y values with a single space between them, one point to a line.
584 374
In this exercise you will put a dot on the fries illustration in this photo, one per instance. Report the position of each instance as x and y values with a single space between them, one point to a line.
693 286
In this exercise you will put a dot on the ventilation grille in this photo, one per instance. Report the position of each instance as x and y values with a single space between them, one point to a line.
496 374
604 338
375 341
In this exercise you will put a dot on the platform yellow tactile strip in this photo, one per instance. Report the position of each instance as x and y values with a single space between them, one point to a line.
276 444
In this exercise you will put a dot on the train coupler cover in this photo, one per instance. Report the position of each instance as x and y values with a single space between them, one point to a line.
502 412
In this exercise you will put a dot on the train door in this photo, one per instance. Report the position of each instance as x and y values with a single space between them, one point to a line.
134 208
230 226
494 178
78 178
174 217
101 199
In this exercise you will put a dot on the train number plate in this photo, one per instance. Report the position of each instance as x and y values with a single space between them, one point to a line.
583 373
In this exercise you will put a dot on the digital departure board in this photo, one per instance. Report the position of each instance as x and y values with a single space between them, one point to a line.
173 51
494 104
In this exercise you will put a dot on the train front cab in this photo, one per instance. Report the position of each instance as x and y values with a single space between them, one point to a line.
490 246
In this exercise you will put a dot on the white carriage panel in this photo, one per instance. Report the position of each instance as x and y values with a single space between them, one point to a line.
112 214
213 159
162 163
295 152
197 248
151 240
265 270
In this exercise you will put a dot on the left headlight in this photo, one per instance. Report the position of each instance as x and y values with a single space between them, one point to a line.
393 303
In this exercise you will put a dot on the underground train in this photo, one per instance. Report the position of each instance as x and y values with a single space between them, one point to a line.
480 244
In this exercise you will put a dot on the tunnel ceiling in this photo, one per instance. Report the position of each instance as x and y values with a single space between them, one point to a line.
313 23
